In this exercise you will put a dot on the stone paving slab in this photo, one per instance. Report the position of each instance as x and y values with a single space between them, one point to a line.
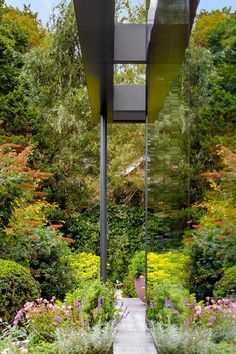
133 336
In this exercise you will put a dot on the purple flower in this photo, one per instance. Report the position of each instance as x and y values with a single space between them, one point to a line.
85 299
126 314
57 319
151 304
212 319
99 303
167 303
86 324
174 310
78 305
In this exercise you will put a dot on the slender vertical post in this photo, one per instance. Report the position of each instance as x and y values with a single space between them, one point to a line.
146 203
103 198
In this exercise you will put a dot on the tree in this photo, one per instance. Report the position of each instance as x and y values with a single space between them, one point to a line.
14 93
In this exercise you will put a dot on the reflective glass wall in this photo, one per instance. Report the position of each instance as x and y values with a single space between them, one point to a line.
191 179
169 158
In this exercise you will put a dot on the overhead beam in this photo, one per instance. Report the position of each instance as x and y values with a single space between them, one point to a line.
130 44
129 103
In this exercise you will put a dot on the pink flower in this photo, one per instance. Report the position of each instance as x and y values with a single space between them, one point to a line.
50 306
208 307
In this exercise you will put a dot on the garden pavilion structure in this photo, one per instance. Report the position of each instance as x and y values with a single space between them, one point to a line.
160 44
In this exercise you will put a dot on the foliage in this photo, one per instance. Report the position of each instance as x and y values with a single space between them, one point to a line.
125 235
10 187
13 340
27 21
16 287
218 315
137 265
96 300
97 341
16 116
167 266
86 267
161 267
211 245
25 237
171 339
128 288
167 303
226 286
44 251
43 317
207 24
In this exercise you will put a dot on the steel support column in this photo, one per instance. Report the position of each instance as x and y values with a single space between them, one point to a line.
146 203
103 198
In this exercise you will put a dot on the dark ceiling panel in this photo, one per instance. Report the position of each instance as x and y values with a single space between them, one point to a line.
95 21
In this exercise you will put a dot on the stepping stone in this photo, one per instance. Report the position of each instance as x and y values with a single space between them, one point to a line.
133 336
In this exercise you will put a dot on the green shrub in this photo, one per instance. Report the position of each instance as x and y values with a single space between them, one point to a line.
172 339
224 348
128 288
137 265
45 253
169 267
135 269
226 286
11 339
99 340
42 318
167 303
86 267
209 255
166 266
16 288
97 301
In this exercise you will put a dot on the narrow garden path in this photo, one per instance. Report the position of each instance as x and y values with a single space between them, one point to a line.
133 336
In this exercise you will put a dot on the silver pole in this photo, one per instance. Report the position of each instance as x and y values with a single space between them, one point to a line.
146 203
103 198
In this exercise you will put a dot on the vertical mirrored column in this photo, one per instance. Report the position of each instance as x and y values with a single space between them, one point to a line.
169 161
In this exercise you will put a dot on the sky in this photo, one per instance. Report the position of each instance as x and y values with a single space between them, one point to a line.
44 7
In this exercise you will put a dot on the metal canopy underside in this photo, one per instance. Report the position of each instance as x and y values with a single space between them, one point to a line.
166 38
95 21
